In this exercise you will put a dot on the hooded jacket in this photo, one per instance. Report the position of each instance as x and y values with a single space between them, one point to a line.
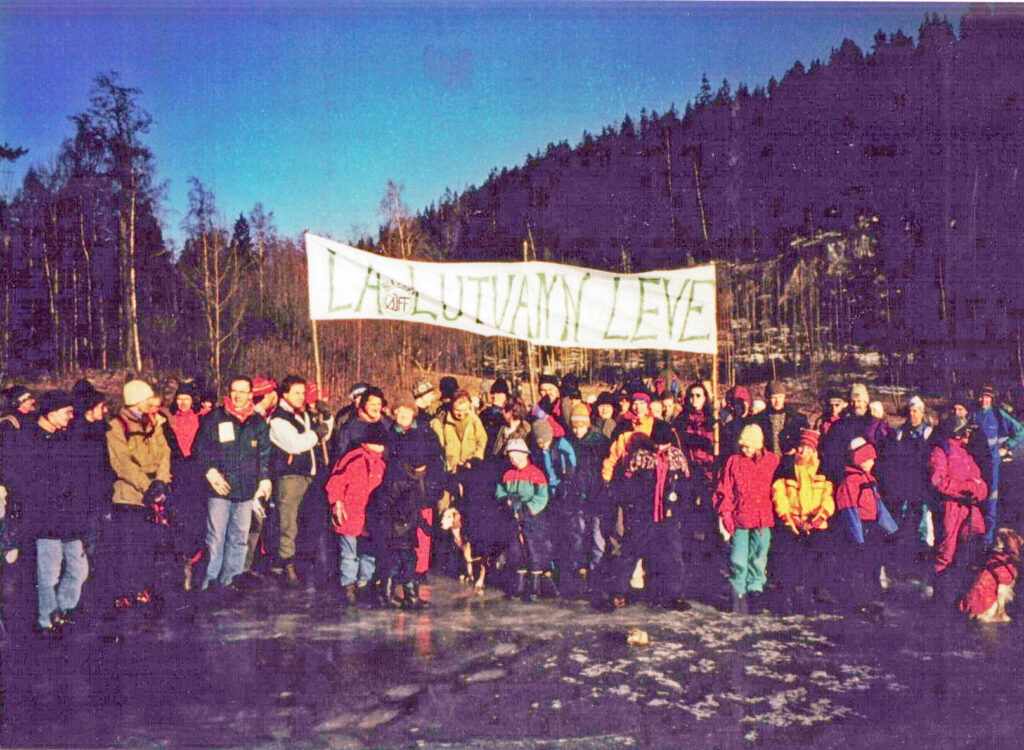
353 480
800 494
139 455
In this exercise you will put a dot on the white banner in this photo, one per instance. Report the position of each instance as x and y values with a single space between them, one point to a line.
546 303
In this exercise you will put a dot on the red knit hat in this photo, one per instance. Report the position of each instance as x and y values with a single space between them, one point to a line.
861 450
809 437
262 386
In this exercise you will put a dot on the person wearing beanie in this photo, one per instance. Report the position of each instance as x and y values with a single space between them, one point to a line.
180 431
551 403
523 489
804 503
604 414
586 501
1002 435
425 395
350 410
44 474
855 421
234 450
264 396
743 500
866 522
18 402
641 421
780 423
461 434
297 457
493 417
833 404
736 416
557 459
140 459
657 510
957 479
354 478
903 474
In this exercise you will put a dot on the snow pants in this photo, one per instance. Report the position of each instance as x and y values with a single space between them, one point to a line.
959 523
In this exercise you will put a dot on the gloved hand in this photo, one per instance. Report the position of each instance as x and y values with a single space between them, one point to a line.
258 510
218 482
322 429
156 494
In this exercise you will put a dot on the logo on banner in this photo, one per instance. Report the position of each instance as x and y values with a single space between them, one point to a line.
396 298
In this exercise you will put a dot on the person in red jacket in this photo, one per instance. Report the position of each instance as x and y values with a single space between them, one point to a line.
867 522
743 499
353 480
957 478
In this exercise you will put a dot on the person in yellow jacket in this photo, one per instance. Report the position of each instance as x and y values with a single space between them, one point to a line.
462 434
140 458
804 503
642 421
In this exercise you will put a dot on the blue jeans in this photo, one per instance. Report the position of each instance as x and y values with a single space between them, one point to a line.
990 506
56 591
227 534
353 566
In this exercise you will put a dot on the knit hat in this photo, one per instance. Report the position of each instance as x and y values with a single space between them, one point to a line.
641 396
54 401
774 388
662 433
809 437
988 390
570 382
861 450
834 395
740 392
549 380
573 393
135 392
86 396
403 401
314 394
859 390
422 388
752 437
262 387
915 401
186 388
357 390
448 386
375 434
499 386
579 413
516 445
605 398
14 395
542 431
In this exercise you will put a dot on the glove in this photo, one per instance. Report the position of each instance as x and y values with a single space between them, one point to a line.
321 429
218 482
156 494
258 510
263 490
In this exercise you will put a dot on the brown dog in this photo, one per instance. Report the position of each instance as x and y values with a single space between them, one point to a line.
451 521
993 588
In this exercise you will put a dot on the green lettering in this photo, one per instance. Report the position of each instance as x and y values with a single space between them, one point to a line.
445 306
499 319
331 307
522 304
367 286
479 281
641 311
699 309
615 298
416 298
573 307
544 301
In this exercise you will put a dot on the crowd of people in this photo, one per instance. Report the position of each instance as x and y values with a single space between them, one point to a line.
612 498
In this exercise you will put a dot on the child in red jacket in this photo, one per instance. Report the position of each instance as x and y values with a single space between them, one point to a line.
743 500
353 480
867 522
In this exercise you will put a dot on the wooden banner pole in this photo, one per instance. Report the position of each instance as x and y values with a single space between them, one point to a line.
714 367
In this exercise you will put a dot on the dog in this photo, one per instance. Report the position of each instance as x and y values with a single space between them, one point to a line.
993 588
451 521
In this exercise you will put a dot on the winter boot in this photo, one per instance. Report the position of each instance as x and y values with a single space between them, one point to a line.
739 604
412 596
548 586
517 585
291 577
533 595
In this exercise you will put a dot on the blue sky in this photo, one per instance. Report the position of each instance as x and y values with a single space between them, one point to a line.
310 108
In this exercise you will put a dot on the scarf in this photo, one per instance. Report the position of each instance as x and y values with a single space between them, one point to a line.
660 475
185 425
240 415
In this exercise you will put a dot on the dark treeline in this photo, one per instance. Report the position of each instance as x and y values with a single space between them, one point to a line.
872 200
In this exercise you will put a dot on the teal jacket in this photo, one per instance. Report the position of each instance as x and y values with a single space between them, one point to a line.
523 488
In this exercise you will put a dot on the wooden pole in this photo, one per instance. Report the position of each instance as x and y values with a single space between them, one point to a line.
714 367
529 344
316 359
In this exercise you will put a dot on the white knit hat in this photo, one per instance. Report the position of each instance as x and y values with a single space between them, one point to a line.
136 391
